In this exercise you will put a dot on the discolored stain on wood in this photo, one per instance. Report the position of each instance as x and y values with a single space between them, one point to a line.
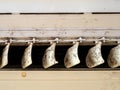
23 74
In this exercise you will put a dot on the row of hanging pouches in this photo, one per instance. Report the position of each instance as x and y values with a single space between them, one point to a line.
93 58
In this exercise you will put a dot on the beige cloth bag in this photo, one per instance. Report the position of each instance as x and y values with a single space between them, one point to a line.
94 56
114 57
71 58
49 56
4 57
27 57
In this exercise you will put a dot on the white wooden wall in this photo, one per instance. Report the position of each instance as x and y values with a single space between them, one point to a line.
58 6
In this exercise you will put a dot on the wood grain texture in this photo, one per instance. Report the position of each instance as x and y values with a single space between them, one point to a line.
60 21
52 80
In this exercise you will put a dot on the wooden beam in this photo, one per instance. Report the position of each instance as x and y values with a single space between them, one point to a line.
47 80
60 21
59 6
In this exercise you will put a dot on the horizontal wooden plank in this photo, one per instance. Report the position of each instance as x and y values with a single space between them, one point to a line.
59 85
60 33
59 75
47 80
60 21
59 6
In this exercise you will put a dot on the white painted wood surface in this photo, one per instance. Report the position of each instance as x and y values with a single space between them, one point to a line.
58 6
60 21
59 25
